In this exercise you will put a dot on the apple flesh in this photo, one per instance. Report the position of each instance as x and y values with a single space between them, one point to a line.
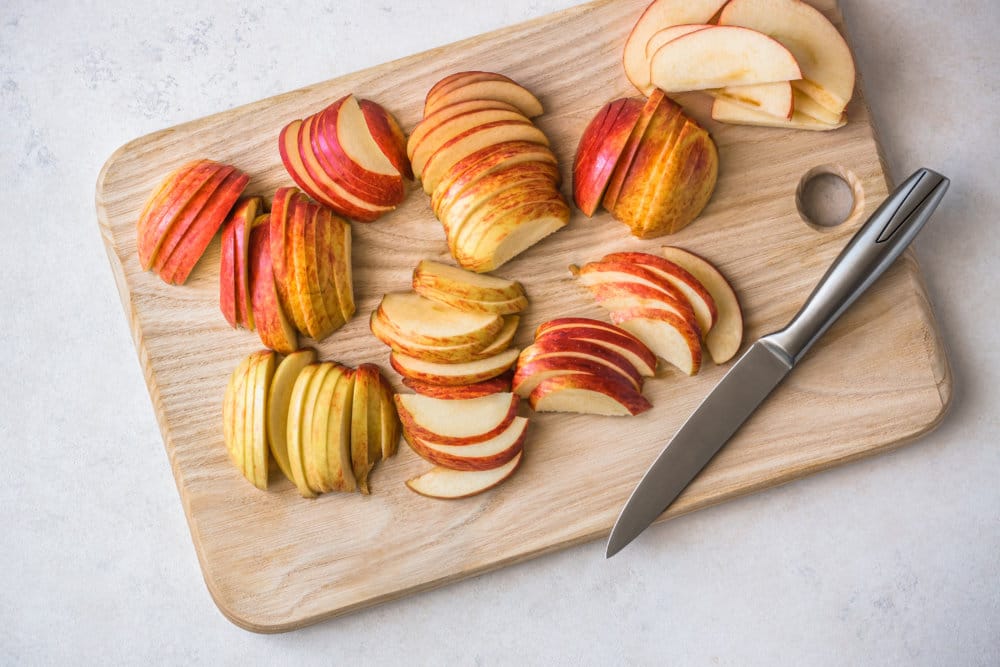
456 422
484 455
727 112
448 484
671 338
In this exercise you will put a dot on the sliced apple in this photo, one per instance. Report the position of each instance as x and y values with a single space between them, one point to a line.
465 233
466 284
429 322
491 89
279 404
165 202
500 180
456 422
619 271
532 373
234 414
389 419
473 140
340 471
587 394
658 15
432 121
823 55
449 354
326 239
366 424
485 455
227 275
389 136
243 216
456 373
807 106
455 80
773 99
607 335
692 289
727 112
496 385
721 56
667 335
517 231
448 484
273 327
295 430
452 127
564 347
315 417
724 339
308 310
499 307
601 146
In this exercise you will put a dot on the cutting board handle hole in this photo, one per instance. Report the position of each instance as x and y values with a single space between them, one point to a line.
828 196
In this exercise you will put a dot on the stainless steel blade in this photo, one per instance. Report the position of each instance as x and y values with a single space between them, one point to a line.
741 390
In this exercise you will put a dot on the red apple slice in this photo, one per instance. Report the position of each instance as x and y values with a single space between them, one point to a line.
454 81
452 127
613 338
723 341
326 259
319 131
625 295
666 334
530 374
227 275
499 307
453 373
444 113
669 34
485 455
243 217
465 233
597 156
499 384
620 271
587 394
491 89
281 206
273 327
389 136
492 184
169 200
564 347
334 256
658 15
448 484
456 422
702 303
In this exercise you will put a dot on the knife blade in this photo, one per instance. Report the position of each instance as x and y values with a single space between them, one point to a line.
766 363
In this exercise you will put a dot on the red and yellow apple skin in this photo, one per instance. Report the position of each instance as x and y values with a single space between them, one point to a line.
601 144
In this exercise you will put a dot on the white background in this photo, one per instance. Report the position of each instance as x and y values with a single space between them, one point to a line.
892 560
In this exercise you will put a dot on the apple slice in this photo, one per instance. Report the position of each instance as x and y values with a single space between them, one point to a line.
696 294
389 136
308 310
517 231
587 394
773 99
658 15
485 455
480 163
294 430
827 66
499 307
326 238
669 34
428 322
452 127
721 56
389 418
357 142
624 295
278 405
227 275
233 414
340 472
614 338
807 106
465 233
243 217
531 373
473 140
456 422
727 112
453 374
273 327
667 335
493 89
723 341
325 157
618 271
448 484
601 145
262 366
466 284
492 184
496 385
456 80
564 347
366 425
435 119
440 354
315 418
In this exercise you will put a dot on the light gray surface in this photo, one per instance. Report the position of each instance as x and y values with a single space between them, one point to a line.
892 560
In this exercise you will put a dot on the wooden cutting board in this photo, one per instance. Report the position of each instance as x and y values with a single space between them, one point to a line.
275 562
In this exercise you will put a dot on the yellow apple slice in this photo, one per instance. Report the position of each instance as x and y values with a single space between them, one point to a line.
294 430
245 429
827 66
315 411
721 56
453 374
727 112
427 322
388 418
658 15
448 484
262 367
499 90
807 106
723 341
465 284
339 470
517 231
361 464
278 399
366 419
233 408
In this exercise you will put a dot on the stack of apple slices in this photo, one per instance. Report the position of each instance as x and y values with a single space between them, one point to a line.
649 164
586 366
286 271
474 443
493 181
182 215
351 156
775 63
325 425
676 304
450 337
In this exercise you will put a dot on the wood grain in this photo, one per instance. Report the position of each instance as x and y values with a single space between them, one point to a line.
275 562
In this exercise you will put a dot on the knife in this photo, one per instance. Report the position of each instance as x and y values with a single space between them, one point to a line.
762 367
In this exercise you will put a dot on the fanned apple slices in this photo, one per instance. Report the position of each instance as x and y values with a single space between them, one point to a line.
474 443
493 181
326 425
586 366
677 304
450 337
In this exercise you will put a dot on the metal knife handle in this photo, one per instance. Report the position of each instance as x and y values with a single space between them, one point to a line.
872 250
